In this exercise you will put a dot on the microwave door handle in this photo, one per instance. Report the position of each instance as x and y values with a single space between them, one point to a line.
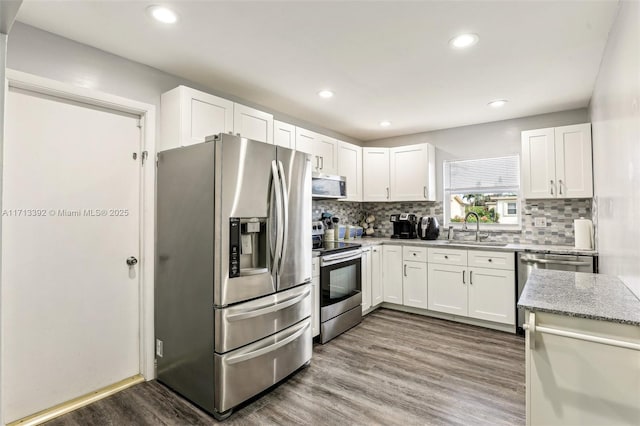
285 215
279 225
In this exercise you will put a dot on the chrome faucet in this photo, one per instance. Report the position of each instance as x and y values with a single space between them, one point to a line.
464 225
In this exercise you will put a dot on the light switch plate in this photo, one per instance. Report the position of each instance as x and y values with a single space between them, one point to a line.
540 222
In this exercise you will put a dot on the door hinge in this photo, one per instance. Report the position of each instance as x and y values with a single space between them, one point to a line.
145 154
139 123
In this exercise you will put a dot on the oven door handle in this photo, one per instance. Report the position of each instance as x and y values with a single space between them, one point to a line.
328 261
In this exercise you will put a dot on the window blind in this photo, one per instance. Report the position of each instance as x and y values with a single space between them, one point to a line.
485 175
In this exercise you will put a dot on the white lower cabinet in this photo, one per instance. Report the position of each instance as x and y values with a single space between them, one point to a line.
366 278
447 289
392 274
455 287
414 284
491 295
315 297
376 276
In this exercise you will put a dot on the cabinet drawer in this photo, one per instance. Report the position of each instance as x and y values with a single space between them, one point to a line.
315 267
491 259
414 254
447 256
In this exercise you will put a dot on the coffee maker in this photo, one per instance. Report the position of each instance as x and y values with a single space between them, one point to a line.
404 225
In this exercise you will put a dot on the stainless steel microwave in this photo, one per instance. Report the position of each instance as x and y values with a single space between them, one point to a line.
328 186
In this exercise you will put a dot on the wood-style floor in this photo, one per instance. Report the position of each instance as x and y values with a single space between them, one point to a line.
393 369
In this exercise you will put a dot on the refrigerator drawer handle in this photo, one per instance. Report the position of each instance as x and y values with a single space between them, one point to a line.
267 309
271 348
555 262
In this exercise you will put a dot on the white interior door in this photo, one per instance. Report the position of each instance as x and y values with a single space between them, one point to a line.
70 304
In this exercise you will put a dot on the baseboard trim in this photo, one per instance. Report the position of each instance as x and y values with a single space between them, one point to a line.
69 406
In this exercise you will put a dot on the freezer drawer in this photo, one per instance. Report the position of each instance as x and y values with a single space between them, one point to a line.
245 372
248 322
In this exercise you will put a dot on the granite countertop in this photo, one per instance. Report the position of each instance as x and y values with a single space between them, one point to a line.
461 244
577 294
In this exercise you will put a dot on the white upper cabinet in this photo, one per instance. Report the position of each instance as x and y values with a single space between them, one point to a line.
406 173
326 149
557 163
284 134
350 166
574 165
375 174
188 116
252 123
304 142
412 173
323 149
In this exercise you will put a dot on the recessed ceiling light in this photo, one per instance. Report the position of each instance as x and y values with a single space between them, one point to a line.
385 123
497 103
325 94
162 14
464 40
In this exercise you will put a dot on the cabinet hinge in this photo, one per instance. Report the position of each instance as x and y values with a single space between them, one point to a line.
145 154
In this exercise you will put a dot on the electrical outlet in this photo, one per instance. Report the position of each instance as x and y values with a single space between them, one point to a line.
540 222
159 348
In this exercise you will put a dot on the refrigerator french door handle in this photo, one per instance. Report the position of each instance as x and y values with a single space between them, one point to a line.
279 222
285 214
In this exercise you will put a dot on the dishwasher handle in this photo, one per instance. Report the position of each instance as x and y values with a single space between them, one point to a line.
554 262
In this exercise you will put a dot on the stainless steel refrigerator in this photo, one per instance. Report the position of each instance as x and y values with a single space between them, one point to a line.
233 292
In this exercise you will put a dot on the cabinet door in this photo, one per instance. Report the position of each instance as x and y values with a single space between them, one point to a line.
203 115
375 174
350 166
538 175
304 142
376 276
409 173
392 274
414 284
252 123
366 279
284 134
315 309
447 290
573 161
326 149
492 295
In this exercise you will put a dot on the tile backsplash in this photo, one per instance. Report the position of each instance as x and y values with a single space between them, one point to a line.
559 214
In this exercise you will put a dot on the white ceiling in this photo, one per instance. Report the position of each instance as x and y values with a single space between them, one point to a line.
384 60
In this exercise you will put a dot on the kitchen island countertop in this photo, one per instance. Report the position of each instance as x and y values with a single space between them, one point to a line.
577 294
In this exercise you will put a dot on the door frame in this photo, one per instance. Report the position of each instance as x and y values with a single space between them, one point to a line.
147 113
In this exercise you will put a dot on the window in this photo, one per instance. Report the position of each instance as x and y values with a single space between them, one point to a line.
489 187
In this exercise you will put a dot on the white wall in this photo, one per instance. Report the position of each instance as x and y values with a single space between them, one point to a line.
47 55
495 139
615 117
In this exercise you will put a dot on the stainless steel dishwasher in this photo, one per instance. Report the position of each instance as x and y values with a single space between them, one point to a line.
559 262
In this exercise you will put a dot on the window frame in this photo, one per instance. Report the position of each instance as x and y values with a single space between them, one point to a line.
446 195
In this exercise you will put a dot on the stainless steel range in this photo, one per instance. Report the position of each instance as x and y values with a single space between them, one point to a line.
233 292
340 287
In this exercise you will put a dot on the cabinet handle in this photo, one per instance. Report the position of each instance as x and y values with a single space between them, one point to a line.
470 277
463 280
446 257
560 186
415 254
387 192
551 187
321 163
405 270
490 260
424 191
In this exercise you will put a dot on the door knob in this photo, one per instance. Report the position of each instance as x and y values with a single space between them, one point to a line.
132 261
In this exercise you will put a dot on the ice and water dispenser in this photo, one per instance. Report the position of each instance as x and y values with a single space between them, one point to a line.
248 246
